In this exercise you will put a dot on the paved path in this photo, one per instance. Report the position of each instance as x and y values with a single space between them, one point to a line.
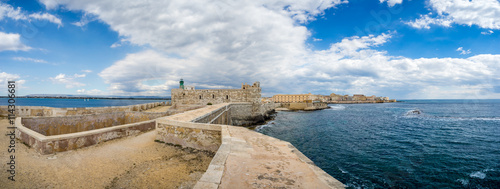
253 160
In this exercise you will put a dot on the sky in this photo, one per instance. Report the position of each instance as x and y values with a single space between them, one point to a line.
403 49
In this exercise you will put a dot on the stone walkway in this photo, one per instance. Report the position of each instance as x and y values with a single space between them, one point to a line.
247 159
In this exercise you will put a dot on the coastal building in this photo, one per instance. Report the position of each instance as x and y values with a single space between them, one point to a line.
358 97
188 95
282 98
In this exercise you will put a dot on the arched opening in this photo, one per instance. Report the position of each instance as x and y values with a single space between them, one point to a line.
200 96
213 96
227 96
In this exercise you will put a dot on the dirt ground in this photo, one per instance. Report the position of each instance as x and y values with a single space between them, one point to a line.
130 162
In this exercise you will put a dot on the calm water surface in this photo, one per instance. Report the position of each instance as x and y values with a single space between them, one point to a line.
69 103
450 144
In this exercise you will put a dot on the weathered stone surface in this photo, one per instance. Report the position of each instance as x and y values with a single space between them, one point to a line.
30 111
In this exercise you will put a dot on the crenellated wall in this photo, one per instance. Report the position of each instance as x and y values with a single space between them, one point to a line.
216 96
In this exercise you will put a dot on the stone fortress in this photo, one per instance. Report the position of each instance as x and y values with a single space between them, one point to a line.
188 95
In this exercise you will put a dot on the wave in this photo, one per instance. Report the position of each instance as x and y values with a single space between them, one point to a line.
417 113
269 124
337 107
414 112
464 182
342 170
478 174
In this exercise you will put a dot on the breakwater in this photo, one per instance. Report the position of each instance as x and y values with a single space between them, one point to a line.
243 158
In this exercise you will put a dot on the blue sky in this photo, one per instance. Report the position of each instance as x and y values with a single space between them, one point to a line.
397 48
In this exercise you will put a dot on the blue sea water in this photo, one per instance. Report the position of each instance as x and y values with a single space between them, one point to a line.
450 144
70 103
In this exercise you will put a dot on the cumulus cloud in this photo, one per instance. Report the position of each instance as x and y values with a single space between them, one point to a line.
90 92
425 21
391 3
27 59
221 44
7 11
489 32
483 13
462 51
69 81
6 77
12 42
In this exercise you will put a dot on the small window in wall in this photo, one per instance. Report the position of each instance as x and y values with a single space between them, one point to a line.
213 96
227 96
200 96
183 94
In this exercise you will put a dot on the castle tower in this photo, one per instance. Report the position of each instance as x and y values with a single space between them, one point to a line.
181 86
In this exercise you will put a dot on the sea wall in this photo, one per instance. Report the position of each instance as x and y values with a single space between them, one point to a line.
243 158
304 106
29 111
49 126
64 142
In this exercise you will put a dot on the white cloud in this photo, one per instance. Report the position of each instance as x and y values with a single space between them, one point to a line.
48 17
8 11
315 39
27 59
87 71
489 32
6 77
391 3
425 21
483 13
214 44
67 80
90 92
462 51
86 18
12 42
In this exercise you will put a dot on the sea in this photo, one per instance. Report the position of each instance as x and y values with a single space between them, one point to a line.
410 144
70 103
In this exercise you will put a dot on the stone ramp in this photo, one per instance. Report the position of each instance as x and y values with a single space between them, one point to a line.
259 161
248 159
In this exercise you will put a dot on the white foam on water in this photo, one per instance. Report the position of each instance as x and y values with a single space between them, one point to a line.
478 174
269 124
464 182
343 171
337 107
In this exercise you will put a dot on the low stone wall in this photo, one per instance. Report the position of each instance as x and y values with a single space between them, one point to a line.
304 106
49 126
258 153
64 142
29 111
200 136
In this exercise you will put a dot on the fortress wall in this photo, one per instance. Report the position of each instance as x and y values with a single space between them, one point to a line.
49 126
30 111
214 96
200 136
242 156
64 142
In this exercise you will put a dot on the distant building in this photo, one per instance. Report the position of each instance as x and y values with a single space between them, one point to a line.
358 97
282 98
